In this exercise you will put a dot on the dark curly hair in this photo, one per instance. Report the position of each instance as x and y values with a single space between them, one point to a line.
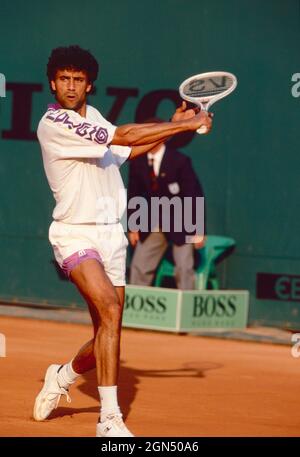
75 58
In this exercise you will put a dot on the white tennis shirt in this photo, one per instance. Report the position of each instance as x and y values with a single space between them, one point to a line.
81 167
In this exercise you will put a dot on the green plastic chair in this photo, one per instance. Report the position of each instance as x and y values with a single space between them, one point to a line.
215 248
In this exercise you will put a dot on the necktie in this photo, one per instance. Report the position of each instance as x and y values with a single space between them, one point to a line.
153 177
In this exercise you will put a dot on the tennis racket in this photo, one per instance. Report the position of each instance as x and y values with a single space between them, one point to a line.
205 89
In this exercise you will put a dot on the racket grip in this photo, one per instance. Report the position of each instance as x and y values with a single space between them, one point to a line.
202 130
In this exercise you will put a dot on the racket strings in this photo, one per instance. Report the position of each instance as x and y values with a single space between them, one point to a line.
210 93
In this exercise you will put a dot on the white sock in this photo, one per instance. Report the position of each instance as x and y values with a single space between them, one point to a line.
66 375
109 401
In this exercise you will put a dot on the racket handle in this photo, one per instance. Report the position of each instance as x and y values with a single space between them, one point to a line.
202 130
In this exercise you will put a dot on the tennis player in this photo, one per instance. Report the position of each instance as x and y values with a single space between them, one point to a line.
82 153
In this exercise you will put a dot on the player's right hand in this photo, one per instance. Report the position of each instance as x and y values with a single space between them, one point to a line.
203 119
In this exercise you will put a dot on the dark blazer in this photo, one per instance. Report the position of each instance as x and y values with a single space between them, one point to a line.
176 178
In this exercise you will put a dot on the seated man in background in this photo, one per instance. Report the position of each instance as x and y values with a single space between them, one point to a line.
163 172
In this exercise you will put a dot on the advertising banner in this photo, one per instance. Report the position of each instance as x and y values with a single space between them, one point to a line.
182 311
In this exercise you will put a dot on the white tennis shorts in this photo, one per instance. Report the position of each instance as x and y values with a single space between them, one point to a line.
73 243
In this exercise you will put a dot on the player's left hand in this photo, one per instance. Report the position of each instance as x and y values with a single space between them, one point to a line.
182 112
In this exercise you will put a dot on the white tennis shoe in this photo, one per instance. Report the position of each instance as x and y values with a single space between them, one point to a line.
113 426
48 398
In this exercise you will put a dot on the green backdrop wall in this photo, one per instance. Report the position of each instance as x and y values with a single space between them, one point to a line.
249 164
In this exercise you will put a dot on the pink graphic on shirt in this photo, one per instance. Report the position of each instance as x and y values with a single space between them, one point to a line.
84 129
54 106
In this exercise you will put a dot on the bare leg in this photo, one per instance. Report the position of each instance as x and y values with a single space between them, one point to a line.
85 359
105 305
106 311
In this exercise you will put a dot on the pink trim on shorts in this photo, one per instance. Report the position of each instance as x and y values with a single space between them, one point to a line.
78 257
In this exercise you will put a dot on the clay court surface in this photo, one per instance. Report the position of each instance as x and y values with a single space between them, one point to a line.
170 385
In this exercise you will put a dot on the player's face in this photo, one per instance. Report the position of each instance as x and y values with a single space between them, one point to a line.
71 88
